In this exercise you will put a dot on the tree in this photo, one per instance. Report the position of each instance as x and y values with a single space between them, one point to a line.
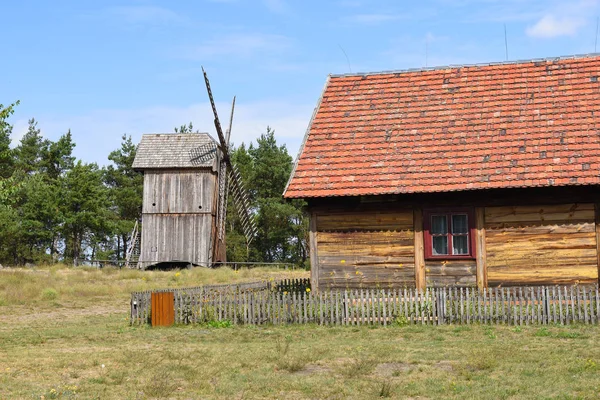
28 154
84 204
57 157
40 218
6 154
189 128
282 228
125 192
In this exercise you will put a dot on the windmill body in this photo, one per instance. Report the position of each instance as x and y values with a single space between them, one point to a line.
187 177
181 199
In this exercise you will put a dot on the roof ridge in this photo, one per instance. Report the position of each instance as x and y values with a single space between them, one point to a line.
483 64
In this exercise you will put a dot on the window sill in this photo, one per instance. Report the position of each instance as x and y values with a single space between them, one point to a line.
449 257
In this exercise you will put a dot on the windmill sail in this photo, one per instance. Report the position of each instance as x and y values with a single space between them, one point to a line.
202 154
240 197
223 189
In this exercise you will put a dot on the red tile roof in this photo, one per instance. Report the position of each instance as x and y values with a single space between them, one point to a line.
524 124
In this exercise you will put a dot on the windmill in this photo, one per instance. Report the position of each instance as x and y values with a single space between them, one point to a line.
187 179
229 178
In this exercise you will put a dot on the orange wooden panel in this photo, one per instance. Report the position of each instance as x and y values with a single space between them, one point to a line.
163 309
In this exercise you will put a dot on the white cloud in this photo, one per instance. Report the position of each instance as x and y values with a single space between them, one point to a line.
550 26
99 132
238 45
146 14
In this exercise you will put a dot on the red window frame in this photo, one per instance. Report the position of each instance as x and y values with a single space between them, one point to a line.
448 212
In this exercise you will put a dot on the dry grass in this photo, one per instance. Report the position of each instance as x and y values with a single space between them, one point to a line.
47 286
73 350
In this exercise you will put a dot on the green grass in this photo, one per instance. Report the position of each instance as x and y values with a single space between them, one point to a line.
68 347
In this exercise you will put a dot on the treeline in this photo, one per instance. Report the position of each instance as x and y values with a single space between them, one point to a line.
55 208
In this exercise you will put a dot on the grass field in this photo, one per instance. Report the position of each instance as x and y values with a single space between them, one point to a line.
64 333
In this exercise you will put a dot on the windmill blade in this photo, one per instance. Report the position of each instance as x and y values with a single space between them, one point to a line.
240 197
222 140
242 204
228 133
223 181
202 154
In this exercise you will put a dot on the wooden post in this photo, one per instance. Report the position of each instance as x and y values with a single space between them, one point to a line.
419 249
314 261
597 221
480 248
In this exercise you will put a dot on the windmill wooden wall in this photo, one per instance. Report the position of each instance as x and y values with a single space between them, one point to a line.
178 216
179 208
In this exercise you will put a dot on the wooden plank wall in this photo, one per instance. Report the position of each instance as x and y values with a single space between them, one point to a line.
178 191
176 237
365 249
541 245
177 216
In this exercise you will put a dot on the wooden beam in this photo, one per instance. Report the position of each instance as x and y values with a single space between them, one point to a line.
597 223
420 281
314 260
480 251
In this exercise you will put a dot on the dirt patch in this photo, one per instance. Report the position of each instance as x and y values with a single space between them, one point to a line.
310 369
391 369
444 365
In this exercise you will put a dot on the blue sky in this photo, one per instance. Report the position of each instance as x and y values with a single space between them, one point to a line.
105 68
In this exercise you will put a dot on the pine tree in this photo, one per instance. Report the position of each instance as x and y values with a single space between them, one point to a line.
84 204
282 228
28 154
125 191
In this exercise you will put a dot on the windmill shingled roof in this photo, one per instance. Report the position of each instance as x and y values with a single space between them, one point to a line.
172 150
519 124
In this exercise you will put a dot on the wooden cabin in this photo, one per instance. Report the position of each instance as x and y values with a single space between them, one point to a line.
480 175
180 199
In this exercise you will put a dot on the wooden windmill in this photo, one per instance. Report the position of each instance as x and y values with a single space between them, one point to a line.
187 178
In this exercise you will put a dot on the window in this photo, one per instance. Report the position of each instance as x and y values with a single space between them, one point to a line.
448 233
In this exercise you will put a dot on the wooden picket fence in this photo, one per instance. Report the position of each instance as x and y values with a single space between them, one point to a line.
141 301
436 306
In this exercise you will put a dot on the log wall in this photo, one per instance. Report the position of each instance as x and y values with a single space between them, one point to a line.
365 249
527 245
451 273
541 245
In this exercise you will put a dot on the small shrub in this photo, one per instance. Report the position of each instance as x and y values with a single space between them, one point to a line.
285 361
161 385
49 294
542 332
386 389
219 324
291 364
356 368
490 333
401 320
568 335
